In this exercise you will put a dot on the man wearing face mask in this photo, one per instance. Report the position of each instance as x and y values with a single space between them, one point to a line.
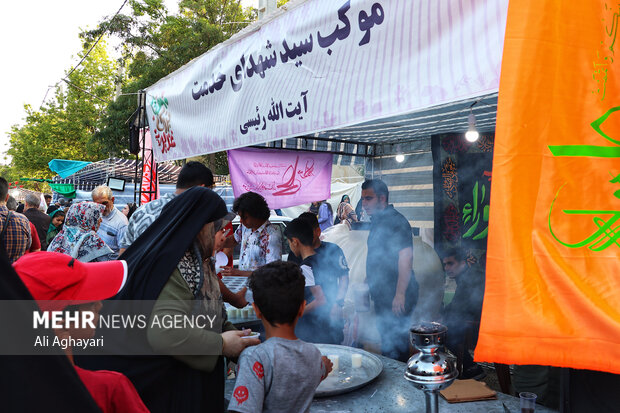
389 273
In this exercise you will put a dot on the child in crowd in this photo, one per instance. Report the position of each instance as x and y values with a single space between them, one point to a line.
281 374
314 326
326 275
58 282
58 218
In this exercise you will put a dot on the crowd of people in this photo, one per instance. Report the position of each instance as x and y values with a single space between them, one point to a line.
93 230
167 249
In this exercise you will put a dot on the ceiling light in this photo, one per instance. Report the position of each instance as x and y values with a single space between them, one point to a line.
400 157
472 134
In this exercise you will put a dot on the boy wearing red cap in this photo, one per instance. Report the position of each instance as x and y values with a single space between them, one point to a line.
57 281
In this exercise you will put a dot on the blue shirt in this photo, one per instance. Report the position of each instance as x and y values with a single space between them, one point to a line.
112 229
326 217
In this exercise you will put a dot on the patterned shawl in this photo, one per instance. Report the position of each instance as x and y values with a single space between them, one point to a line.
346 212
78 236
199 272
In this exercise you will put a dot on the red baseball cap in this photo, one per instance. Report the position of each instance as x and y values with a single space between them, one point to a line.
54 276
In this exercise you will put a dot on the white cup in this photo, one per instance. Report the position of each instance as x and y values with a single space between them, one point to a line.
221 260
356 361
334 359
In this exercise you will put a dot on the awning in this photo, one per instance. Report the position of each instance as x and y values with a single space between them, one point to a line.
97 173
65 167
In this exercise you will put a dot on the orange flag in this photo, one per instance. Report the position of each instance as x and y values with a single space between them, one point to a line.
553 262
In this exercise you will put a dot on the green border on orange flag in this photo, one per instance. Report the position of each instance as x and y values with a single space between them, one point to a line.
553 264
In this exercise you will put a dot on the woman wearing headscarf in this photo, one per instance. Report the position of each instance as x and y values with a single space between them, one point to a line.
345 211
170 265
78 237
58 218
129 209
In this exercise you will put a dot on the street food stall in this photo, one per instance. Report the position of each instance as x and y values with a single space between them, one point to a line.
390 392
372 80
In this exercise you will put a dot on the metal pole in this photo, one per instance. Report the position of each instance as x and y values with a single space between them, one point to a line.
135 180
432 402
142 142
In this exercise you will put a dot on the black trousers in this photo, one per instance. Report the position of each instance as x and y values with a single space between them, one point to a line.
394 331
455 337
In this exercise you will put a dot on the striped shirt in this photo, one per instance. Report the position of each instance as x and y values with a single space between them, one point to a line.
16 239
112 229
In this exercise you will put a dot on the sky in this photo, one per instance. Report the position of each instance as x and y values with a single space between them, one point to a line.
39 43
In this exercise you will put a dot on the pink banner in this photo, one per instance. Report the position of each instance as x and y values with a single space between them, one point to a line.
149 178
284 178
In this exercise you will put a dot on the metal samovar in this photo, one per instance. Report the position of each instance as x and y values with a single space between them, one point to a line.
433 368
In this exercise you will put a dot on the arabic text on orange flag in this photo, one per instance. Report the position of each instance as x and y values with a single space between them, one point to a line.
553 264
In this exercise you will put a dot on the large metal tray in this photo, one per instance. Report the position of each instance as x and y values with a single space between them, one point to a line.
234 283
347 379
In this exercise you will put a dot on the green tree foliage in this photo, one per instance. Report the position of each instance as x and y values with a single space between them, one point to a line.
154 44
9 173
64 126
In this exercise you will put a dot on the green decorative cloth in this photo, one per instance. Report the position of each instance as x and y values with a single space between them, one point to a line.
66 190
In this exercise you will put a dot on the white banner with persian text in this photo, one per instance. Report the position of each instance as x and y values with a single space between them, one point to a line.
325 64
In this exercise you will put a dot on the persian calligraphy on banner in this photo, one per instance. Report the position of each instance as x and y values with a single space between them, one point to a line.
283 178
553 261
323 64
